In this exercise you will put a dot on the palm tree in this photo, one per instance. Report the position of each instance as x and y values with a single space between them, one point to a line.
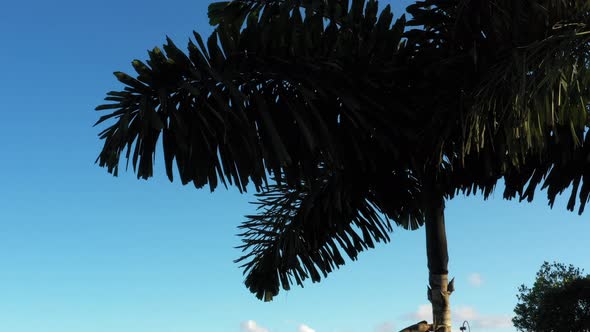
345 121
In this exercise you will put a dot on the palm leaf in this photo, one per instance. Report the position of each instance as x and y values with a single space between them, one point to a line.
269 97
301 231
509 85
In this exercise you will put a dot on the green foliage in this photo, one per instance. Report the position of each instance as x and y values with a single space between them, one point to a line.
511 80
559 301
357 118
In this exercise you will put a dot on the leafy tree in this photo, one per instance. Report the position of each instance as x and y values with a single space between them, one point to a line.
344 121
559 301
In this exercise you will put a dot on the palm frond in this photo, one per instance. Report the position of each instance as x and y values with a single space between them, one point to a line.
564 166
276 95
301 231
339 11
511 85
532 104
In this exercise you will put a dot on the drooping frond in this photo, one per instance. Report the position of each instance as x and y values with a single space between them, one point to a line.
283 93
556 171
561 167
301 231
512 81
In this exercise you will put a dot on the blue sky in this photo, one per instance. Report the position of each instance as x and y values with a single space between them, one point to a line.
81 250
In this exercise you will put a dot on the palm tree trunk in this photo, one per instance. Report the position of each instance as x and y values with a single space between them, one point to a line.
438 259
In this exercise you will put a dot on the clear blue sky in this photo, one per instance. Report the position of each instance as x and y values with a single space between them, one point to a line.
81 250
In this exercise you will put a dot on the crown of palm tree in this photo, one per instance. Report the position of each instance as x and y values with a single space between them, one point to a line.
355 117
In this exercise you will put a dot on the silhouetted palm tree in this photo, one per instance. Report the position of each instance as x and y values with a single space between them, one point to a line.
358 120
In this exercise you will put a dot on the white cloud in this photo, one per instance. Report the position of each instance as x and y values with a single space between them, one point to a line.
424 312
385 327
463 313
252 326
305 328
475 279
494 322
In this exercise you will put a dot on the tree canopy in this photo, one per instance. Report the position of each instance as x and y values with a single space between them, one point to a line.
358 119
559 301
